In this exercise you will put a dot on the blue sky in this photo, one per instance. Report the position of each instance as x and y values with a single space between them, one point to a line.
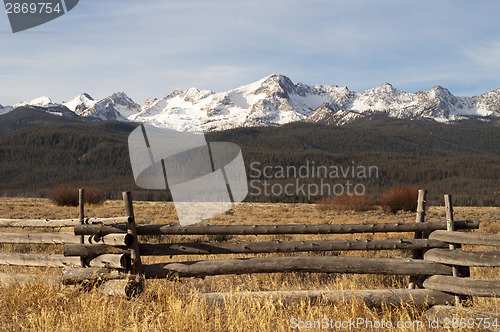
149 48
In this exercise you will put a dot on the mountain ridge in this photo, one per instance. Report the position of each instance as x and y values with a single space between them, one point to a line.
275 100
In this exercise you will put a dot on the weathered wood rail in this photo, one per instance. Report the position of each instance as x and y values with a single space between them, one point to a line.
34 232
106 250
53 223
99 229
372 298
249 247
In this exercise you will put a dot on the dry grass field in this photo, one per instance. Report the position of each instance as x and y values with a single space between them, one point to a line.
173 305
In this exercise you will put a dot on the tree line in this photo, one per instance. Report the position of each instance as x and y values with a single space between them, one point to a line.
463 160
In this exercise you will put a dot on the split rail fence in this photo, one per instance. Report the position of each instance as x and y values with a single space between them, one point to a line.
23 235
107 252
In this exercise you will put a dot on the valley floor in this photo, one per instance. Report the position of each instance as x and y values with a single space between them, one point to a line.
173 306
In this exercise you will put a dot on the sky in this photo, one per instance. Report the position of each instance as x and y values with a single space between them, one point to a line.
147 49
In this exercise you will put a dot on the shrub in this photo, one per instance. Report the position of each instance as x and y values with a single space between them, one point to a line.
93 196
346 202
402 198
64 195
67 195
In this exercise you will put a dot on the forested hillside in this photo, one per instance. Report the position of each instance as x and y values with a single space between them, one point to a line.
463 160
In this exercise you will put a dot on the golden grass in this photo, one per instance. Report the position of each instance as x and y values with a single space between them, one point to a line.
173 305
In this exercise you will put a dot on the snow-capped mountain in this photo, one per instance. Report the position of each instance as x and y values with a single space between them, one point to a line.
5 109
276 100
39 102
80 103
273 100
118 106
43 104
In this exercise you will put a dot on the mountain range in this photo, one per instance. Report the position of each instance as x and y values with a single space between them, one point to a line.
274 100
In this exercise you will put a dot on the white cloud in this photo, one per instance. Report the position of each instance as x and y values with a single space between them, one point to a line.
485 54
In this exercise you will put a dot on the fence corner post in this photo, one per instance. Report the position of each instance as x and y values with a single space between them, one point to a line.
418 253
81 218
135 285
450 227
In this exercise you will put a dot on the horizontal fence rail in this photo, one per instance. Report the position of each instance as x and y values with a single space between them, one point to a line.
275 229
372 298
466 238
464 286
89 251
120 261
246 247
39 238
463 258
40 260
38 223
362 265
10 278
75 275
322 264
54 223
65 238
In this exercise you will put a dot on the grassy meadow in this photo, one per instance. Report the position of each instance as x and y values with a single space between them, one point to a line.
173 305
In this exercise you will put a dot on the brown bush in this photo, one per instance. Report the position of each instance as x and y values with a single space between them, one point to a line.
93 196
346 202
401 198
64 195
67 195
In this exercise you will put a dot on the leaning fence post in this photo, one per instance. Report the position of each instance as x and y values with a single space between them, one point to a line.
450 227
137 284
81 217
417 253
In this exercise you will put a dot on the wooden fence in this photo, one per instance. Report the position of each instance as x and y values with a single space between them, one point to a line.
107 251
28 233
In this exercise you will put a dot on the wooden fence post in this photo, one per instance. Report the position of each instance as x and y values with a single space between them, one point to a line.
450 227
135 286
418 253
81 217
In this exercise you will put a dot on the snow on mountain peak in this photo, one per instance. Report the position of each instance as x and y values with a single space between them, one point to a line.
5 109
118 106
40 102
80 103
121 97
276 84
439 91
386 88
276 100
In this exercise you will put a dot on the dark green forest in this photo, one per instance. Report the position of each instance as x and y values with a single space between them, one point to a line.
462 160
39 151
